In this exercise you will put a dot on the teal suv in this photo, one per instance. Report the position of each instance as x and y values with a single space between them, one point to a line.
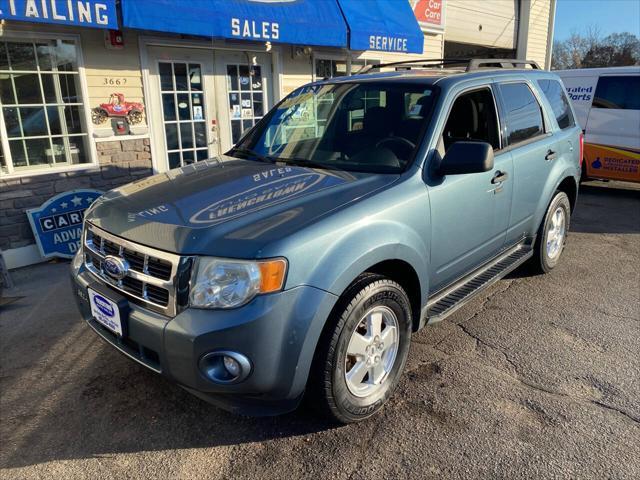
357 211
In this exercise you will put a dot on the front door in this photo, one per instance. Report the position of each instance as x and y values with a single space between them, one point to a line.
243 92
183 106
203 100
469 212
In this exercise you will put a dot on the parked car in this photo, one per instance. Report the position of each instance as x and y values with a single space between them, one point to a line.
305 258
607 105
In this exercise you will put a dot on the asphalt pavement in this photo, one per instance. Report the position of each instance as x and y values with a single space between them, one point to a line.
539 377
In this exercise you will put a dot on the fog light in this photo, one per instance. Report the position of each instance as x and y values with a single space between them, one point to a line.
232 366
225 367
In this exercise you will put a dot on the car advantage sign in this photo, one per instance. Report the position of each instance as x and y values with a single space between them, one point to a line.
81 13
57 224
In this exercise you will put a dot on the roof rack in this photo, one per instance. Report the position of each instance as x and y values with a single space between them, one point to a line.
469 64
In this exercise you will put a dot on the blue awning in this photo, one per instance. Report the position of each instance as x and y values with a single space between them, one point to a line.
87 13
301 22
384 25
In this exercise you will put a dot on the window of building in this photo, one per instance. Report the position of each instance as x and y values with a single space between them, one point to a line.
183 105
524 116
328 68
332 68
620 92
559 102
246 98
42 107
473 118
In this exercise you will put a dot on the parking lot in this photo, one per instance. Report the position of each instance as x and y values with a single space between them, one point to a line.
537 377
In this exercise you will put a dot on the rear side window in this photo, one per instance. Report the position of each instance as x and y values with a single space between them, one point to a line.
559 102
524 117
618 92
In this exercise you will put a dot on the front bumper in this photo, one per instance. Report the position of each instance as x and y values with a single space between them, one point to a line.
277 332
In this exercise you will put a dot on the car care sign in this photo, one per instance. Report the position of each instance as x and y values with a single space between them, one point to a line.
57 224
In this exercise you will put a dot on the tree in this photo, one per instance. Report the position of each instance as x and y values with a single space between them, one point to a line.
589 50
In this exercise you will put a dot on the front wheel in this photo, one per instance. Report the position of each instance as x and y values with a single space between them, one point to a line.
552 236
363 350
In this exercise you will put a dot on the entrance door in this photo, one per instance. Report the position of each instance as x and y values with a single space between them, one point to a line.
183 106
244 93
202 101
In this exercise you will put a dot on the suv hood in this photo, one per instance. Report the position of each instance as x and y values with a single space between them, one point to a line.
227 207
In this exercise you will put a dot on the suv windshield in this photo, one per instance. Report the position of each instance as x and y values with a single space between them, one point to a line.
367 127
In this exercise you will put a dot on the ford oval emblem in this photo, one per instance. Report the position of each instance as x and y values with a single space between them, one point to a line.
115 267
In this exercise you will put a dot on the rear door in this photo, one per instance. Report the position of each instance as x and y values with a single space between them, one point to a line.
612 141
527 137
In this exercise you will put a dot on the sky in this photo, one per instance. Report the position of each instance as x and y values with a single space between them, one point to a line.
611 16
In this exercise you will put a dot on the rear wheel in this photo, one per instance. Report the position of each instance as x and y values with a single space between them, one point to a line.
552 236
363 350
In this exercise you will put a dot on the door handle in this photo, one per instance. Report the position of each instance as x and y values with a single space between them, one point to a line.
499 177
551 155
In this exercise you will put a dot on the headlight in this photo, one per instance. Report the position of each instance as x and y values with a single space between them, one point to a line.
222 283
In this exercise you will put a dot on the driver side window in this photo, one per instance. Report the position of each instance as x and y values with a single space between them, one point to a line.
472 117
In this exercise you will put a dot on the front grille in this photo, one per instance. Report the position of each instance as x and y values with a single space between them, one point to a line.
151 274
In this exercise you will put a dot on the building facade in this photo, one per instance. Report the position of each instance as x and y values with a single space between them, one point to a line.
98 93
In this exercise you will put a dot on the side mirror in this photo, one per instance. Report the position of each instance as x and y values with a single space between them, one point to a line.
467 157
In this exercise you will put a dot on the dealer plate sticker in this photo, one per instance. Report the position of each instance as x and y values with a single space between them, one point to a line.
105 311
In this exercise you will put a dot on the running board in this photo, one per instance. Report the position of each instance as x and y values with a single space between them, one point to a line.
449 300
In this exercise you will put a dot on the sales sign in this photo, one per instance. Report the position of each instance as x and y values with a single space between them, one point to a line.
57 224
82 13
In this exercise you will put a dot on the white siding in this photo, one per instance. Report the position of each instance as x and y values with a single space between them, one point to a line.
538 31
492 23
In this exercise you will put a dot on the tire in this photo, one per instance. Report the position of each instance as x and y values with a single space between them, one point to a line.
549 246
369 297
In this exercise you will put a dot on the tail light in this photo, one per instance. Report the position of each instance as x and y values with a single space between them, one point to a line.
581 148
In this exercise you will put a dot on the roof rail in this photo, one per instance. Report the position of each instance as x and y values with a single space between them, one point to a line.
469 64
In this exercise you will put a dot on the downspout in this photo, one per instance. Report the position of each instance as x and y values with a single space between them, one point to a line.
550 32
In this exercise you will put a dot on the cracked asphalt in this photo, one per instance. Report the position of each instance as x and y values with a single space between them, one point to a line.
539 377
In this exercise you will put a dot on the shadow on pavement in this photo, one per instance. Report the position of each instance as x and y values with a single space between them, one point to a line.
613 207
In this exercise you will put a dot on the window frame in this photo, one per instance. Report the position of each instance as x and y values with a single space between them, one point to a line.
563 93
546 123
347 58
475 88
85 111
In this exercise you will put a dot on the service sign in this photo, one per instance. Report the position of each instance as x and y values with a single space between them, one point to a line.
81 13
430 14
57 224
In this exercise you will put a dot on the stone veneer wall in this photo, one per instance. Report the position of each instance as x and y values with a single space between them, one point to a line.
120 162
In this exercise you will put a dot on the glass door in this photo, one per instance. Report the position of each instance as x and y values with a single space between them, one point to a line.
243 88
183 106
183 114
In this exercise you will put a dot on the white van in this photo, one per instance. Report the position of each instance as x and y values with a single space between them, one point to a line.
607 106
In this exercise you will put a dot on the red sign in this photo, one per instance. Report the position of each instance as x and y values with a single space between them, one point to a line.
430 14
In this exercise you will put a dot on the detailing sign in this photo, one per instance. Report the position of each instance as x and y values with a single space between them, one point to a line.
57 224
82 13
430 14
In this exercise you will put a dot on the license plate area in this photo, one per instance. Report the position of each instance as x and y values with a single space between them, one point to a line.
109 312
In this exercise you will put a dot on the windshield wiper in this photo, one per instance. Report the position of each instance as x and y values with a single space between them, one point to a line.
303 162
253 153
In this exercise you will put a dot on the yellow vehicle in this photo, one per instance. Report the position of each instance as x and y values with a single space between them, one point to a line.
607 106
